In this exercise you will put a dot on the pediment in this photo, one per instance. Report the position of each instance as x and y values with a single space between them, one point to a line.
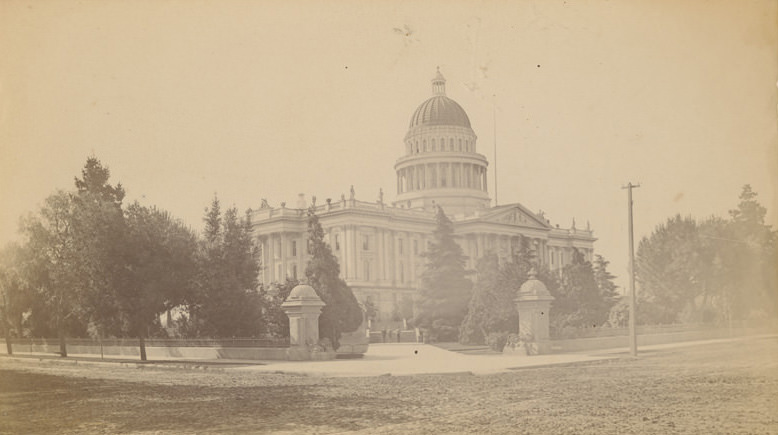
514 214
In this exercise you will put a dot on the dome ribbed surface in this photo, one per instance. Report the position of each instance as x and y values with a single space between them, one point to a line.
440 110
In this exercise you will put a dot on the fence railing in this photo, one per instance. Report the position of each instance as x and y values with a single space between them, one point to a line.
600 332
156 342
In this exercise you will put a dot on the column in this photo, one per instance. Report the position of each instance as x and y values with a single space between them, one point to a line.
284 248
389 255
270 260
409 258
379 248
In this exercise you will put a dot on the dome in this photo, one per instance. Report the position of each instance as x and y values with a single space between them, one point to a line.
440 110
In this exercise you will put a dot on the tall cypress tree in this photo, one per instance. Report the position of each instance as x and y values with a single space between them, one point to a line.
445 289
227 303
342 312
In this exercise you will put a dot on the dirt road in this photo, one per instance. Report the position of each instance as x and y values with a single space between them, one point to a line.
717 388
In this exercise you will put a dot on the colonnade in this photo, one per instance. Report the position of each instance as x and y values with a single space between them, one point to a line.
441 175
454 145
392 256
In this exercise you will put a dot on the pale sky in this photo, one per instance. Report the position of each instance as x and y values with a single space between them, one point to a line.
268 99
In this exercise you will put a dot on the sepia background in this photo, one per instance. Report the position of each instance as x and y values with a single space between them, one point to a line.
268 99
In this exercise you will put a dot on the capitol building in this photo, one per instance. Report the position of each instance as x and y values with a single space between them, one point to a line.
379 244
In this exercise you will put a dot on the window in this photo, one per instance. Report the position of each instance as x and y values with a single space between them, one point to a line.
337 242
433 144
365 243
294 271
415 247
277 249
402 273
294 248
400 246
280 272
366 270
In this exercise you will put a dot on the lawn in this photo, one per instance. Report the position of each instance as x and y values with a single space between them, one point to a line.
714 388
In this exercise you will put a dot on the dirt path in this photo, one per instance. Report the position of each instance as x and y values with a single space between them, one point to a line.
720 388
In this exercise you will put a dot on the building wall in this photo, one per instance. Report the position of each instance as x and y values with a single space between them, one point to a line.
379 248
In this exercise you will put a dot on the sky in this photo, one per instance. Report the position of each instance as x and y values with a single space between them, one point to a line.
184 100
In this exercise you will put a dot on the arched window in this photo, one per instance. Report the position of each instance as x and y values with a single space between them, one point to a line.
424 145
417 147
433 145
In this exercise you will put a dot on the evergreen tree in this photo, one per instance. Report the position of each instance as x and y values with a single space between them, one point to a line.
97 230
478 322
753 276
342 312
227 302
609 296
445 289
578 300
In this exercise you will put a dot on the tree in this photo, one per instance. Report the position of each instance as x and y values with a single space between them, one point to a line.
578 300
445 289
15 296
710 270
485 301
609 296
753 261
342 312
160 269
274 318
667 269
227 303
97 231
54 269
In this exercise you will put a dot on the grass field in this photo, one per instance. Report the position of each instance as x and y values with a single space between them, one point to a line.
715 388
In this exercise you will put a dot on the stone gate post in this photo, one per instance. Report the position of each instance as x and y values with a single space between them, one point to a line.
533 303
303 307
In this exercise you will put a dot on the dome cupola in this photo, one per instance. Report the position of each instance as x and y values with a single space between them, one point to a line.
439 109
440 165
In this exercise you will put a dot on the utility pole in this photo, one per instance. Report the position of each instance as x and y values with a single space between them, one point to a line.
633 339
